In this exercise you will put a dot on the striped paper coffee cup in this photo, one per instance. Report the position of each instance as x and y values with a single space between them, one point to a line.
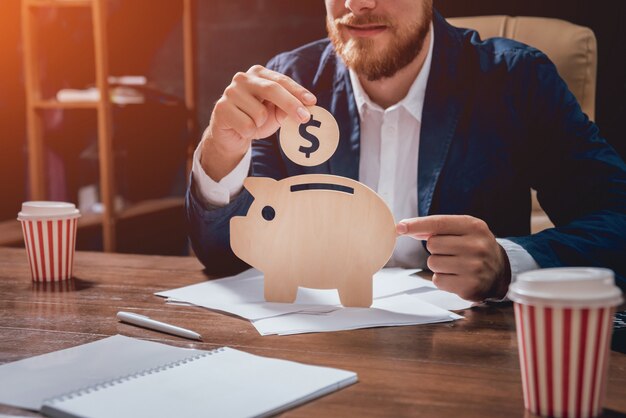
49 230
564 321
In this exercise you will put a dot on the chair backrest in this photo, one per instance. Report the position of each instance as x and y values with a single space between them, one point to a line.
572 48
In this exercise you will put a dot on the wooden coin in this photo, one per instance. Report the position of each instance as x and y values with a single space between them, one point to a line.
311 143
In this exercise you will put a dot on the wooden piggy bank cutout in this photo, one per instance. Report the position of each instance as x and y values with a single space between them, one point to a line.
317 231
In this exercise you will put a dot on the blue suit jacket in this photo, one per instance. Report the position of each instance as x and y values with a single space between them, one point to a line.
497 120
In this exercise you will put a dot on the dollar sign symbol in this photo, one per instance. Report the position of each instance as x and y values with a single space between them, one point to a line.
315 143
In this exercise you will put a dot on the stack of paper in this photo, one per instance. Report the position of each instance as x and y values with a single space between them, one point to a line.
400 298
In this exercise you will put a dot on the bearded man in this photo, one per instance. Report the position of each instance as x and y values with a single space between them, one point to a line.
451 131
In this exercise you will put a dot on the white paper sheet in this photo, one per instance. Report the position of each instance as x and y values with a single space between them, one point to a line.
440 298
242 295
400 298
391 311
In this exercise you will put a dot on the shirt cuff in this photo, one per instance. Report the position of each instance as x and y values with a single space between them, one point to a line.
220 193
520 261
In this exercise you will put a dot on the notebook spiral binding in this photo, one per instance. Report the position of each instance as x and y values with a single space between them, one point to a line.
118 380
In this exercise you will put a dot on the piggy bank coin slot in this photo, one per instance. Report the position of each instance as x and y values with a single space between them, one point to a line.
268 213
322 186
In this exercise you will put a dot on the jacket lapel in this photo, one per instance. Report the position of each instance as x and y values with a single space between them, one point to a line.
442 105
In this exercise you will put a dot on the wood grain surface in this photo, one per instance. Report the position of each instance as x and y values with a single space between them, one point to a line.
320 239
311 143
467 368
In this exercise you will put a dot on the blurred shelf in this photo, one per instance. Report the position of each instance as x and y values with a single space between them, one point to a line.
59 3
11 230
54 104
150 206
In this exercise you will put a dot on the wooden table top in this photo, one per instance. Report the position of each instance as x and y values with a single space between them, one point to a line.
466 368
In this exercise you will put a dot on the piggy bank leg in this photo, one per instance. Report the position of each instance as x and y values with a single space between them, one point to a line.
357 292
279 289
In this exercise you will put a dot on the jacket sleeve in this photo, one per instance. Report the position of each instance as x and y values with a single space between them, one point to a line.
579 178
209 227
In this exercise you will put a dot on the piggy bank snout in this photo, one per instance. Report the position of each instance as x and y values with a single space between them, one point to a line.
239 239
236 222
238 228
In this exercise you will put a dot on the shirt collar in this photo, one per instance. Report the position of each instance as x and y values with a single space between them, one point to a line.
413 102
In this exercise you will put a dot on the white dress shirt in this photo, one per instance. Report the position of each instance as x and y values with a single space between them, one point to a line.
389 155
388 164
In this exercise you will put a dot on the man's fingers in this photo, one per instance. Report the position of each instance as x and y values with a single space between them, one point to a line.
461 285
239 121
249 105
265 89
280 90
305 96
280 115
446 244
402 228
439 225
447 282
448 264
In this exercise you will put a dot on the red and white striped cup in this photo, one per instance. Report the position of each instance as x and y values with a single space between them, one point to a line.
564 320
50 239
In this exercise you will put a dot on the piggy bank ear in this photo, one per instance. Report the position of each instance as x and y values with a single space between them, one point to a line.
258 185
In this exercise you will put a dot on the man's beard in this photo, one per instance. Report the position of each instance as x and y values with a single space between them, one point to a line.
359 54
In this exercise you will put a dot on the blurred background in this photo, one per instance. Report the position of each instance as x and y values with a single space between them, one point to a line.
152 130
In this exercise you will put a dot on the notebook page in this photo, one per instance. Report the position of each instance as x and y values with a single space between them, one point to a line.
227 383
26 383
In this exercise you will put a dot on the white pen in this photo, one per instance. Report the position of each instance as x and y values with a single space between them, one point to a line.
146 322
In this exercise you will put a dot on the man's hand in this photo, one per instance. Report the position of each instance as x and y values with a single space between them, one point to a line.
252 107
465 257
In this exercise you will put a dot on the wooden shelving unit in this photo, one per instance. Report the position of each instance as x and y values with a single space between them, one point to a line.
53 104
35 103
64 3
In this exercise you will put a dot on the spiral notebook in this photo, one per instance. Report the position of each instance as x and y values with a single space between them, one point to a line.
223 383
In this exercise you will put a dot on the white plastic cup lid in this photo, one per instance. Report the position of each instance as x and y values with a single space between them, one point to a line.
567 286
47 210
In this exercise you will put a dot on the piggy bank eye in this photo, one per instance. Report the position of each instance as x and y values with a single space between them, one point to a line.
268 213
